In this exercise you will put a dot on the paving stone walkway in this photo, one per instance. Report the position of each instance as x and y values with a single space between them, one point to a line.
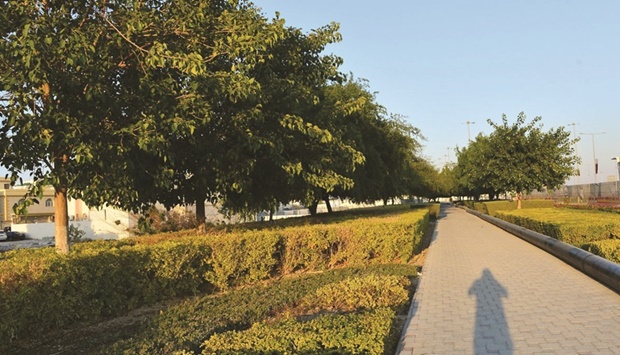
484 291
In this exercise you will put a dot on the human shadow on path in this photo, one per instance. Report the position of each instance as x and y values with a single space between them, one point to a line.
491 334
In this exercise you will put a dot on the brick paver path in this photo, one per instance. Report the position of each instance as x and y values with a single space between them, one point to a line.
484 291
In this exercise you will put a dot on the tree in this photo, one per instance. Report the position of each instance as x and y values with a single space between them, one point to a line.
474 176
290 144
387 145
91 88
518 157
218 155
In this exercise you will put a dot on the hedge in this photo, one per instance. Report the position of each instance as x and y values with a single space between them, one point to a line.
362 333
608 249
40 290
186 326
492 207
575 227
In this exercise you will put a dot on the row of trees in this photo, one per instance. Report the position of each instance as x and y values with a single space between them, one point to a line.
128 103
515 158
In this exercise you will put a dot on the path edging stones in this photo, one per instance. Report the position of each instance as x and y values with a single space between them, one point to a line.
604 271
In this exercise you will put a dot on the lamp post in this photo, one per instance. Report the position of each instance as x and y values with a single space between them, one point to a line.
468 133
576 152
593 152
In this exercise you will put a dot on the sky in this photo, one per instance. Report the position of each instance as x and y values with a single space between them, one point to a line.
443 63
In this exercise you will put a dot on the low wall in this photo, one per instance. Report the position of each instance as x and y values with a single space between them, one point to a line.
93 229
600 269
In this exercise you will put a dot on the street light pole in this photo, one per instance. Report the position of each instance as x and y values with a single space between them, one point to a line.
468 133
617 159
576 152
593 152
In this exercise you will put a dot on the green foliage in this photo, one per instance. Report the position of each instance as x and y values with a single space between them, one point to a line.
433 209
155 221
40 290
492 207
377 239
187 325
518 157
366 292
75 233
362 333
608 249
95 93
575 227
244 258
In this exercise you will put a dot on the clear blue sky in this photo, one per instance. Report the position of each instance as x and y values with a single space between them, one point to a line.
443 63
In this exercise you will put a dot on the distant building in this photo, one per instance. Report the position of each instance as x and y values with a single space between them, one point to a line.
11 195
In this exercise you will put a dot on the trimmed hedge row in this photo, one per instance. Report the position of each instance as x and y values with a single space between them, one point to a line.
575 227
290 304
356 333
608 249
40 290
492 207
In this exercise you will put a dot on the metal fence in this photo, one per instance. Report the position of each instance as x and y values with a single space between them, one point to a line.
582 193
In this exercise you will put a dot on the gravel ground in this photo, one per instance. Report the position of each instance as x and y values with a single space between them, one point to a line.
28 243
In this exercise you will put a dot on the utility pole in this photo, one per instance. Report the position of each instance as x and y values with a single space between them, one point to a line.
468 132
576 152
593 152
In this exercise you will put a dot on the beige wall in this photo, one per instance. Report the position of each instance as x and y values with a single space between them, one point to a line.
11 196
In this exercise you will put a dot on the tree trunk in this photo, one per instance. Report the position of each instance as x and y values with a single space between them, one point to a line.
385 202
61 221
271 212
201 216
313 208
329 206
518 200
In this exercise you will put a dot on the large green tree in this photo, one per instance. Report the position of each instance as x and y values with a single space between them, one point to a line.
517 158
290 144
91 88
388 145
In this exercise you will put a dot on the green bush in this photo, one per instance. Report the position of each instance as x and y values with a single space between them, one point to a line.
492 207
157 221
575 227
434 210
41 293
366 292
357 333
40 290
608 249
187 325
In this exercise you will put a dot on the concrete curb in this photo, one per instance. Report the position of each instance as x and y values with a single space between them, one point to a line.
604 271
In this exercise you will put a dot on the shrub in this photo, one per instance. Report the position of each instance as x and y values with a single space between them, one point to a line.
608 249
366 292
492 207
434 210
574 227
157 221
188 324
40 290
362 333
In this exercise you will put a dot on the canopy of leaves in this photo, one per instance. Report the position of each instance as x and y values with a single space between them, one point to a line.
516 158
128 103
